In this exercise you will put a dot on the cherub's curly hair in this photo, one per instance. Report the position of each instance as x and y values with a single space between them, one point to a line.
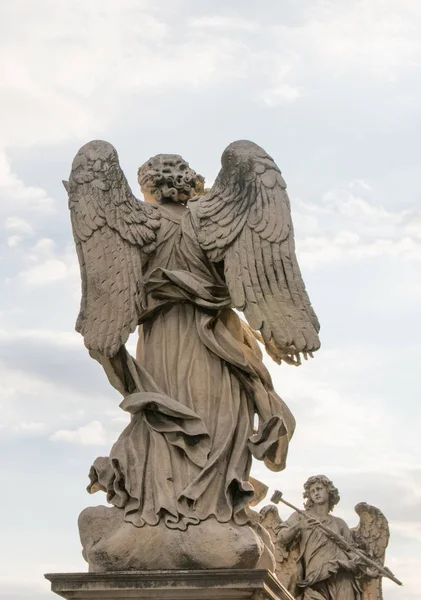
333 491
169 177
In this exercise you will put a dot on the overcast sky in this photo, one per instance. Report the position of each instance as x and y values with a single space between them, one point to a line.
332 90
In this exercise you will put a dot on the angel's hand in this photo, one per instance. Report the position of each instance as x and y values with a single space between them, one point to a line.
372 573
361 566
306 523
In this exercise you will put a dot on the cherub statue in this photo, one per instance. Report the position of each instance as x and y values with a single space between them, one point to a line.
176 266
319 557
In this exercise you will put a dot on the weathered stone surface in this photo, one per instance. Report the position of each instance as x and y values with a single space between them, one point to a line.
111 544
318 555
201 401
224 584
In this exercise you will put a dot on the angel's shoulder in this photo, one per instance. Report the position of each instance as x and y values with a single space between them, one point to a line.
292 520
340 520
341 524
192 206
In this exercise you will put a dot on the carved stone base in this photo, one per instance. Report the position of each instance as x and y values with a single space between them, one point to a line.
218 584
111 544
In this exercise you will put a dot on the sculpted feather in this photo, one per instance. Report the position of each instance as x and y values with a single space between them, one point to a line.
245 221
111 229
372 536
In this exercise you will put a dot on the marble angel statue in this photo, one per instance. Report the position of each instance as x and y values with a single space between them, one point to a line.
318 557
176 266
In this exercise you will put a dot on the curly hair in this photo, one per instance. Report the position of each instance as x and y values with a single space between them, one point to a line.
327 483
169 178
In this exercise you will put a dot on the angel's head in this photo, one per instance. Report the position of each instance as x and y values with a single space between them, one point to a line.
319 489
169 178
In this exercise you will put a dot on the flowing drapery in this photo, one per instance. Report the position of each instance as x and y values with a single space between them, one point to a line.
193 393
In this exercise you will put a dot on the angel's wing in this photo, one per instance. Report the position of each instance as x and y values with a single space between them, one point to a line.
287 570
111 230
372 536
245 221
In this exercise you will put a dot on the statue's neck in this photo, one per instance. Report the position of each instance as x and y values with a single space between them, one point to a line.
173 211
320 511
173 207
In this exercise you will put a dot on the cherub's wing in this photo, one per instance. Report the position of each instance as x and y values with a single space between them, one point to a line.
286 558
245 221
111 229
372 536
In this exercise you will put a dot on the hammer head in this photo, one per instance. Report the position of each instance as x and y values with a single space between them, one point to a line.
276 497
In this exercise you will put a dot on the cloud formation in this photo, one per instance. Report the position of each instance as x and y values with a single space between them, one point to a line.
350 223
331 90
92 434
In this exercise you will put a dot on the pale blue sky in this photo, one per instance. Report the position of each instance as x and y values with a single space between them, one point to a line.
332 90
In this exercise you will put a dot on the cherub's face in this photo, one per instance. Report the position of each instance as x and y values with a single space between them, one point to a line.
319 494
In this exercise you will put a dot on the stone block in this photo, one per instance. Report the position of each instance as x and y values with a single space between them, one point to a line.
215 584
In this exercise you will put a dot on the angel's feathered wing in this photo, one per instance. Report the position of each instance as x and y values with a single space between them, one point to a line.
372 536
111 229
287 569
245 221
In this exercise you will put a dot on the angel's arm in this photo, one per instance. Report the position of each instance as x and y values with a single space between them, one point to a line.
290 530
287 534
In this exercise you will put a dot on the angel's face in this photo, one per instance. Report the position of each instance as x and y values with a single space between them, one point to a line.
319 494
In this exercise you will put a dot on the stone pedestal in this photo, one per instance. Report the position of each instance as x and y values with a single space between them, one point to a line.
218 584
